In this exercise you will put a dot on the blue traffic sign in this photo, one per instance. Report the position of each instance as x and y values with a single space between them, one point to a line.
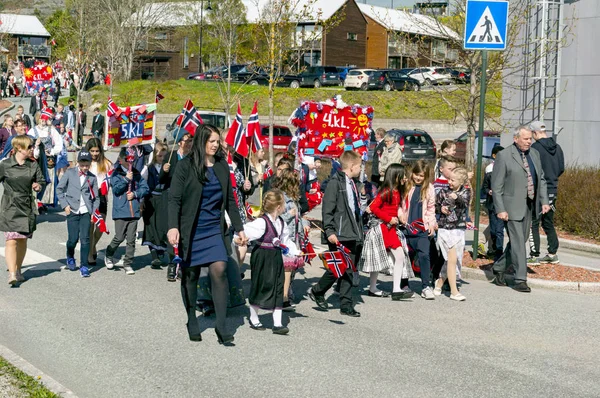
486 24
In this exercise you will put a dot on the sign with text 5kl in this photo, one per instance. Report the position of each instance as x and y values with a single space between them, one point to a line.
133 124
486 25
327 131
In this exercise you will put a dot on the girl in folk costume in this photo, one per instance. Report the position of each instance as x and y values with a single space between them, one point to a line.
418 214
266 263
288 182
48 145
385 236
154 219
314 194
259 172
102 169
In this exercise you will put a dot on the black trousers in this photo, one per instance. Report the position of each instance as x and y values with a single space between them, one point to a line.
547 221
344 283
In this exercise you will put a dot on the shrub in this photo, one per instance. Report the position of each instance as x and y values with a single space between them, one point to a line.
578 204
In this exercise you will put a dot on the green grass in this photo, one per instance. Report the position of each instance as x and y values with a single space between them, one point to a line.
206 95
27 385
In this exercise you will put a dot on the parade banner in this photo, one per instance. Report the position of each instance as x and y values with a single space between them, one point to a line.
327 129
135 123
38 77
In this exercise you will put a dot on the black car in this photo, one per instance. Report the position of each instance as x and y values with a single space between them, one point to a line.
461 75
415 144
317 76
260 77
220 72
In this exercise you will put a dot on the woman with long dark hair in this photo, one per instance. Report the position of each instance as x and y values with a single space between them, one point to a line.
200 194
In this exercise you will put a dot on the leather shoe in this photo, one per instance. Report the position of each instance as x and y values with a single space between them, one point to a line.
280 330
352 312
401 295
522 287
381 293
499 279
171 269
319 300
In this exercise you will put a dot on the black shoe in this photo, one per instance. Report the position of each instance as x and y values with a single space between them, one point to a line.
319 300
402 295
381 293
226 339
499 279
522 287
171 269
258 326
287 306
156 264
352 312
280 330
206 308
194 332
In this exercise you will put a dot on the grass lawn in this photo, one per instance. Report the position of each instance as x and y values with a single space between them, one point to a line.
21 384
207 95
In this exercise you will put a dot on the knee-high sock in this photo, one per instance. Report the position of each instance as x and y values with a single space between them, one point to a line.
220 291
254 315
277 314
398 255
373 282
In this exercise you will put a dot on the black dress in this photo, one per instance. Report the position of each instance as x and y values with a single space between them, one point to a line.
266 265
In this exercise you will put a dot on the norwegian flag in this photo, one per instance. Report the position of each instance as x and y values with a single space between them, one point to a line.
345 252
232 177
112 109
189 119
105 184
158 97
236 137
334 262
268 172
416 226
98 220
249 214
47 114
307 249
253 130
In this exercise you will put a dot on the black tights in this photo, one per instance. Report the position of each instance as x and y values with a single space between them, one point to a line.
219 290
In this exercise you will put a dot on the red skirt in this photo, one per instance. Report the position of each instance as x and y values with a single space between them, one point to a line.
390 236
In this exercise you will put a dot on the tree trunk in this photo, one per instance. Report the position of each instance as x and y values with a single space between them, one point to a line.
271 96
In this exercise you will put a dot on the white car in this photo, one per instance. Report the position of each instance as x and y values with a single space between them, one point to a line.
428 76
218 119
357 79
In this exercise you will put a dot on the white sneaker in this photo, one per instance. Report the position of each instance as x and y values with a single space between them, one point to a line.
437 291
457 297
129 270
427 294
109 262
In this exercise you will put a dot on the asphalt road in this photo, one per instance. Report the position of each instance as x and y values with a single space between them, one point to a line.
114 335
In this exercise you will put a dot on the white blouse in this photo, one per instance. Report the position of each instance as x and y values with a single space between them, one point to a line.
256 229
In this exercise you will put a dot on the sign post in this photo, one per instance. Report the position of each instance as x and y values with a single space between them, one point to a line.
486 25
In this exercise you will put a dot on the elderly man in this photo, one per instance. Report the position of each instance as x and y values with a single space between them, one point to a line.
553 163
519 191
377 152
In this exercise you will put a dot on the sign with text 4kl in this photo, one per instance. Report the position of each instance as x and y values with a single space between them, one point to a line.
486 25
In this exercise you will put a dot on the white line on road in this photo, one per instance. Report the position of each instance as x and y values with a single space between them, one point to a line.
33 258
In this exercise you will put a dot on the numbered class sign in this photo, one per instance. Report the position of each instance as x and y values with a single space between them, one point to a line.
326 130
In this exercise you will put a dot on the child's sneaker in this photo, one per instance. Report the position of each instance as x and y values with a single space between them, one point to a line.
84 271
437 291
71 264
533 261
427 294
129 270
549 259
110 262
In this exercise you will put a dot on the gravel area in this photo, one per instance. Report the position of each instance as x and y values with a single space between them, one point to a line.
7 389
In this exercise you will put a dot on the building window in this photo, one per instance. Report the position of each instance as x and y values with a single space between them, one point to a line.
160 36
352 36
186 56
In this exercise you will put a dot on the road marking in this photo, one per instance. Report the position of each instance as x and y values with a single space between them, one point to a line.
33 258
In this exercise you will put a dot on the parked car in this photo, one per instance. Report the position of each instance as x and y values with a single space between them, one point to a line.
428 76
415 144
342 73
282 137
358 79
490 140
317 76
202 76
218 119
259 77
399 81
461 75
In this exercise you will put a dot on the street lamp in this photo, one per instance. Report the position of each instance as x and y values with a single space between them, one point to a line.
208 8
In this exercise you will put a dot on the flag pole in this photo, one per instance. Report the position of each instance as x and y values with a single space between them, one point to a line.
175 142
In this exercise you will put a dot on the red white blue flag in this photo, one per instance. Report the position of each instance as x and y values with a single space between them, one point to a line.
189 119
236 137
112 109
98 220
105 184
334 262
253 130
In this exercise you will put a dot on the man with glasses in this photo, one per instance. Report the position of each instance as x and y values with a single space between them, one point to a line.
20 129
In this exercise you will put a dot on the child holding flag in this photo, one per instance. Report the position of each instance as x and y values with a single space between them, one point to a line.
77 192
266 262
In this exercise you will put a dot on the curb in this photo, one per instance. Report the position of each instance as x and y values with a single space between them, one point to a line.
10 108
565 243
34 372
579 287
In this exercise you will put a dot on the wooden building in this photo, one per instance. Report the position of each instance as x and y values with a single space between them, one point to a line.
23 37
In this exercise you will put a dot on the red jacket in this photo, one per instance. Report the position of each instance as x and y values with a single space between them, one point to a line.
383 210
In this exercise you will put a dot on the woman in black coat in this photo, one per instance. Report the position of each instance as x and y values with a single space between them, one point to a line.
19 175
200 194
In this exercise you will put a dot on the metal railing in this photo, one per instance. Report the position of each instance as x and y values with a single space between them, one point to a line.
29 50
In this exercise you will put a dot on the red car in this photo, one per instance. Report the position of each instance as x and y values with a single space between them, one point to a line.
282 137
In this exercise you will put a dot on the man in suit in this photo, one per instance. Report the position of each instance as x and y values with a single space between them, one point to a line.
81 122
379 148
97 124
36 104
519 191
59 117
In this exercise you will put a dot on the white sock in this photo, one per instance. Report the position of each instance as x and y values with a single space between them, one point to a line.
277 314
373 282
398 265
254 315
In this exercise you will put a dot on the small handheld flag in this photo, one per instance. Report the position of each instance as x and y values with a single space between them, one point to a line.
98 220
158 97
236 137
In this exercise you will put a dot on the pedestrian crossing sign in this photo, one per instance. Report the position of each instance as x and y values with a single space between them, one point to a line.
486 24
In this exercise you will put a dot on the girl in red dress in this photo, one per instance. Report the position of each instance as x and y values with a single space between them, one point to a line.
385 207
